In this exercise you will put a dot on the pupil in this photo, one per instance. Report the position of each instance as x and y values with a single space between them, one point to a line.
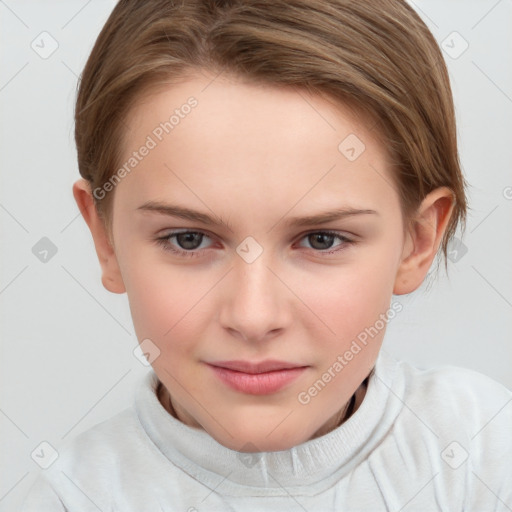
322 237
193 240
188 240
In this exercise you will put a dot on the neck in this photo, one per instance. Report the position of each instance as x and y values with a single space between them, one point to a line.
334 422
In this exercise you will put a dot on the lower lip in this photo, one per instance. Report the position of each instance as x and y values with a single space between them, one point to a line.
257 383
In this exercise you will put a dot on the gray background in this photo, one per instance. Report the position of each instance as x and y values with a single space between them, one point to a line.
67 344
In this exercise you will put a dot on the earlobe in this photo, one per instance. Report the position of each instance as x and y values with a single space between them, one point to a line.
111 277
423 238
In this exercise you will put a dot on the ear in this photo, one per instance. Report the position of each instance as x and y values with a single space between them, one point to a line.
111 275
424 234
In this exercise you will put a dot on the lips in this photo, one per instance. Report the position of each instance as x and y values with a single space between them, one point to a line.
257 378
269 365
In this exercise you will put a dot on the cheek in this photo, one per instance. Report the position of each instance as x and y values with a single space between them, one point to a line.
354 299
167 310
164 301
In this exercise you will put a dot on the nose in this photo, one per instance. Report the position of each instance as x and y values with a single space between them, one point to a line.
256 303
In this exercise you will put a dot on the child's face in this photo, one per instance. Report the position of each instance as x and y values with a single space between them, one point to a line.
256 158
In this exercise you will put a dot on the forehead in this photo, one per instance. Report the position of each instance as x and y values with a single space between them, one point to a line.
226 102
220 135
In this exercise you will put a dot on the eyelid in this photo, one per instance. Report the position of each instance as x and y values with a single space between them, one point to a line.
177 231
167 233
345 241
336 232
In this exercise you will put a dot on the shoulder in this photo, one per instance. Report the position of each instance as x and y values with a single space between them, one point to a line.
102 446
87 465
463 419
455 390
110 443
107 455
451 401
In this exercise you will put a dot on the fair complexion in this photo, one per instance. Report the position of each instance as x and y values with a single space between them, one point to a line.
254 158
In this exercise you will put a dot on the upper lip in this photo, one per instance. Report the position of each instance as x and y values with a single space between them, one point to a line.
268 365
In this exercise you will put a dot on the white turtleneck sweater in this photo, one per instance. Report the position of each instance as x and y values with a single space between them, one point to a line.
422 440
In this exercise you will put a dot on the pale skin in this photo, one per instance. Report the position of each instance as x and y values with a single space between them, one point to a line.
256 157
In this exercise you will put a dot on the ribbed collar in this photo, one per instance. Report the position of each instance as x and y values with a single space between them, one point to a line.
304 469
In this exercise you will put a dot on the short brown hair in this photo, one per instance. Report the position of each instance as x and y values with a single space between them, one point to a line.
377 56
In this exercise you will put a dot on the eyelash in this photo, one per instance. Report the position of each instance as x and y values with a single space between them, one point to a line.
164 242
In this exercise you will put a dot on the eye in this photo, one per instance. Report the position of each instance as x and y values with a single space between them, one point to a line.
323 240
188 243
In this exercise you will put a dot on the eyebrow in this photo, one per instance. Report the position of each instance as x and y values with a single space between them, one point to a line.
204 218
